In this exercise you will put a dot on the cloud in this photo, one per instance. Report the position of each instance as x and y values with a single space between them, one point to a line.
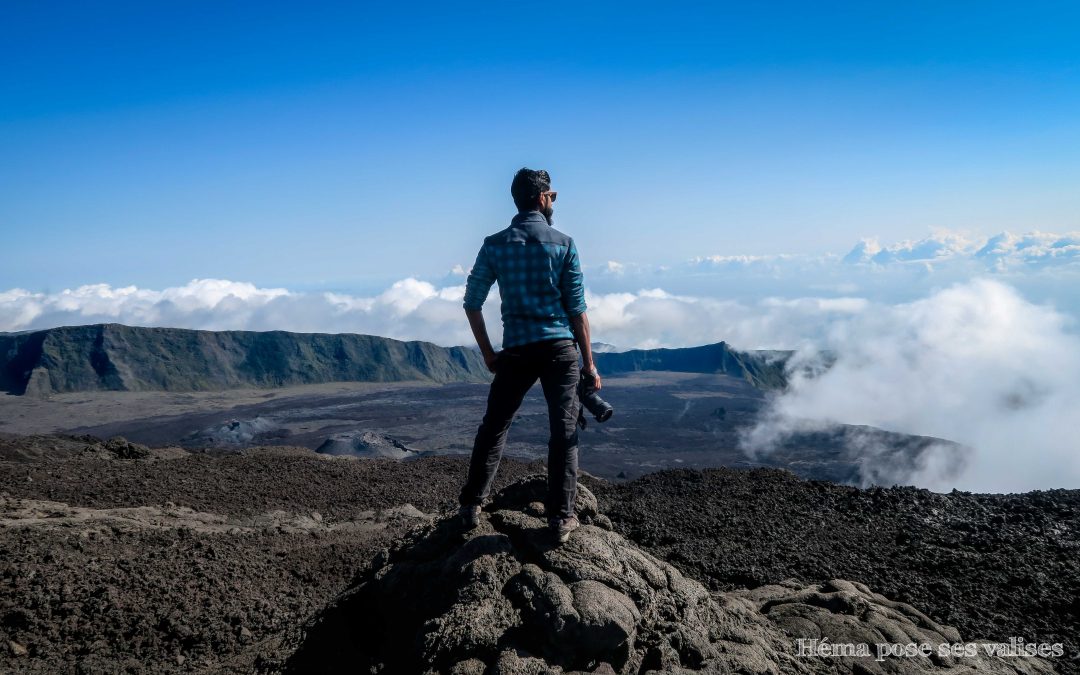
1008 251
653 318
975 363
201 301
982 362
408 309
411 309
939 246
1002 252
1045 266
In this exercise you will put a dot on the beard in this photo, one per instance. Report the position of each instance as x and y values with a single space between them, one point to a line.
548 213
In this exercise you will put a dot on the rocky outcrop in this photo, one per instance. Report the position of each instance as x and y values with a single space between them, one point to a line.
505 598
113 357
237 433
116 447
366 444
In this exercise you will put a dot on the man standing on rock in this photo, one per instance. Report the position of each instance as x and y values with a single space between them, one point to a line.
543 314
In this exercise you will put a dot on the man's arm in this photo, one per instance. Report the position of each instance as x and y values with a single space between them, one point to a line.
572 285
579 323
479 331
477 286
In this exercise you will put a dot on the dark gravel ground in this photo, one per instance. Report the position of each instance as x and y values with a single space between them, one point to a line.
106 599
87 599
993 566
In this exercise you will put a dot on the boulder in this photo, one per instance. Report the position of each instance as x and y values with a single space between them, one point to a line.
116 447
506 597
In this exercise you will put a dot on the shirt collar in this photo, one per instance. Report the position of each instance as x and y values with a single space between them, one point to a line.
528 217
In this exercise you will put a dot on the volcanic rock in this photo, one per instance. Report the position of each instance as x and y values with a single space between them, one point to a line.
505 598
366 444
236 433
116 447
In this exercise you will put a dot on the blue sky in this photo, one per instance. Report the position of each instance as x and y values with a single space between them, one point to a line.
347 146
892 183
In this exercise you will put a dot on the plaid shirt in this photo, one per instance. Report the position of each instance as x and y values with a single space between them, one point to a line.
539 279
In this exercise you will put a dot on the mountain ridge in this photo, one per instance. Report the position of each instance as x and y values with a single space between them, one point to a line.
116 357
763 369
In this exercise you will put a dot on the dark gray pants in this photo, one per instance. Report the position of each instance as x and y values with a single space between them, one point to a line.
555 363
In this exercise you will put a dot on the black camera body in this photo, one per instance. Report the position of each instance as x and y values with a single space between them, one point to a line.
591 401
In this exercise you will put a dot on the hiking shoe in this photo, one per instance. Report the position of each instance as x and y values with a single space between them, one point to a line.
470 516
563 527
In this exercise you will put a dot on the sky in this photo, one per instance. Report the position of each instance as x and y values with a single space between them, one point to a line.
345 146
891 184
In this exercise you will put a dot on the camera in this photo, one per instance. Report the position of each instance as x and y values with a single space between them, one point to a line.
591 401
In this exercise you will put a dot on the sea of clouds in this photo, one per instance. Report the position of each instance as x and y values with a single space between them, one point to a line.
973 340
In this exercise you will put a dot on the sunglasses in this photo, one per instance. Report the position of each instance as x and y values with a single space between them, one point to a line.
553 194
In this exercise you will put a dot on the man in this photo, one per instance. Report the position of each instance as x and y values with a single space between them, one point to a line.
543 314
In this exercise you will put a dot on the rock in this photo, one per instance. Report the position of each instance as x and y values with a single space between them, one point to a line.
116 447
469 667
849 612
121 448
366 444
17 649
528 494
607 621
511 662
505 598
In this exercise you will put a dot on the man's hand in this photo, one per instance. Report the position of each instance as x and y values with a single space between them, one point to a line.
592 372
491 358
579 324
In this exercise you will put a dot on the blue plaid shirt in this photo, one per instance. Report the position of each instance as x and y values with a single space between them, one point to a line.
539 279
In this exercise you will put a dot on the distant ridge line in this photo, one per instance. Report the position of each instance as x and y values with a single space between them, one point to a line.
116 357
763 369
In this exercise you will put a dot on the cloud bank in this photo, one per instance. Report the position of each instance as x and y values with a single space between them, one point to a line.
975 363
417 310
1001 252
1044 266
409 309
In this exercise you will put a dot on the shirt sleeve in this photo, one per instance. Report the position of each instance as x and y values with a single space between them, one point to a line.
571 283
479 282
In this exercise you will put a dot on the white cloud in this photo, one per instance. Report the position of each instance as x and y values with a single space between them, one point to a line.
921 347
941 245
615 267
1000 253
1006 250
742 262
652 318
975 363
204 301
411 309
1043 266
